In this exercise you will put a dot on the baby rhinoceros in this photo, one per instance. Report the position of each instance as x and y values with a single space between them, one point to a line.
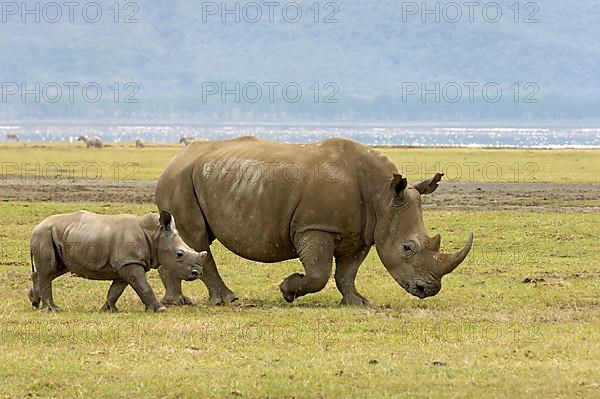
121 248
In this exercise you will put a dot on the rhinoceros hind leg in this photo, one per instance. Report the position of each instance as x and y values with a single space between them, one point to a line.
34 295
221 296
218 292
315 250
114 293
45 290
346 268
355 300
35 299
195 234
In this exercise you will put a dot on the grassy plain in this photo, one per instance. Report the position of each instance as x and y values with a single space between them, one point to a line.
124 163
486 334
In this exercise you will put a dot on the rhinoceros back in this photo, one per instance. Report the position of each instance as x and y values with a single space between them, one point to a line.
255 195
91 245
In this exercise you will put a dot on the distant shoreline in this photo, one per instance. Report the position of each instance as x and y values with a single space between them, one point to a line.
46 144
393 136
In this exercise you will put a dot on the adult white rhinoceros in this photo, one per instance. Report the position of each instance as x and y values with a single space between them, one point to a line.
268 202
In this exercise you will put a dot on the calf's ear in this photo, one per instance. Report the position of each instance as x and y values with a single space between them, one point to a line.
202 257
430 185
165 220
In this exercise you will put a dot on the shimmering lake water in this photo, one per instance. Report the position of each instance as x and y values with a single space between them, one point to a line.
519 137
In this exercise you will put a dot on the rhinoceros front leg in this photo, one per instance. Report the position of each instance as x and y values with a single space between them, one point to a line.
346 267
173 294
315 250
114 293
135 275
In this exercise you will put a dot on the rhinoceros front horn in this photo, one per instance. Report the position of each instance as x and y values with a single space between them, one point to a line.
447 262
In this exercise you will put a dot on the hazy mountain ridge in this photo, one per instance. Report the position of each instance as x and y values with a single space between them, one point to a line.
369 54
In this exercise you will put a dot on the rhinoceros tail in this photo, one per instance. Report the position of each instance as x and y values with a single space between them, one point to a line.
32 265
34 292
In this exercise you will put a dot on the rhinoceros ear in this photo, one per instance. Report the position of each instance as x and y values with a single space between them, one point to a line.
398 184
166 220
430 185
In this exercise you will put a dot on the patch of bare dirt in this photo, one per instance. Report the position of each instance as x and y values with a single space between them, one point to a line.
63 190
545 197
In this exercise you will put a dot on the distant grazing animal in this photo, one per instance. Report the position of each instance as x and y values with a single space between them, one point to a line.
139 143
12 136
94 142
187 140
121 248
269 202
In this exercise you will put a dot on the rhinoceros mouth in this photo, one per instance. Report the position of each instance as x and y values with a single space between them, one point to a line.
418 291
423 290
194 274
418 287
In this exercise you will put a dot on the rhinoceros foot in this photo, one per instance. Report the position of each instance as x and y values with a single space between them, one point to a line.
52 308
355 300
288 287
35 301
222 297
108 307
156 308
176 300
289 298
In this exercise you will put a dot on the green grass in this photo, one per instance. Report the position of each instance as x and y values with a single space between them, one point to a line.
124 163
493 335
117 163
500 165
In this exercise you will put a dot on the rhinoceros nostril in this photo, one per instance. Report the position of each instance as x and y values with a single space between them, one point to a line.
195 273
420 290
179 254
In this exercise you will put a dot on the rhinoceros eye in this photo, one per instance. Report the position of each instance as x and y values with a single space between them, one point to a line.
408 248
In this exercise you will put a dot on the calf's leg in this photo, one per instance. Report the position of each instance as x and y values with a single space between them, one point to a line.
114 293
173 293
315 250
135 275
